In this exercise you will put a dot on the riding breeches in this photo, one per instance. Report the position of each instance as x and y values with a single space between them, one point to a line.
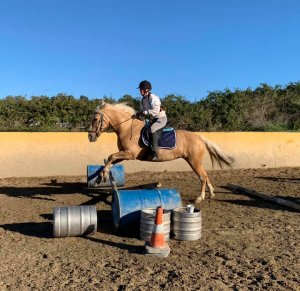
158 124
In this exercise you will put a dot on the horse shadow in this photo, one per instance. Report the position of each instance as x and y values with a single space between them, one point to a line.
97 196
35 229
47 193
47 190
50 190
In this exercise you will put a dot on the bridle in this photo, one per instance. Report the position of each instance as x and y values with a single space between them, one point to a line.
100 123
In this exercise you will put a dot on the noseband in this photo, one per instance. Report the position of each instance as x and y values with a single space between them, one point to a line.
99 126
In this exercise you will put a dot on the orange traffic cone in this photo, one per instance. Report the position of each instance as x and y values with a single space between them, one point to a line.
157 245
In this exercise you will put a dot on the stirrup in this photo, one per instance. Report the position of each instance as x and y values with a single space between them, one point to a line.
154 156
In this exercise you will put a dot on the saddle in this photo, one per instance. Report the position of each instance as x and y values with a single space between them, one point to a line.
167 136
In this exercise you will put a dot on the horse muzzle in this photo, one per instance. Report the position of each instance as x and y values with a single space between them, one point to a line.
92 137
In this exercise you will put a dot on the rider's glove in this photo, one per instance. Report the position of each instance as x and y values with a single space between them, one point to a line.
138 115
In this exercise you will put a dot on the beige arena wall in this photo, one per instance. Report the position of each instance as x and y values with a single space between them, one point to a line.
47 154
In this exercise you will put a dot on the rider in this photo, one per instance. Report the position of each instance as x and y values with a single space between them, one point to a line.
150 107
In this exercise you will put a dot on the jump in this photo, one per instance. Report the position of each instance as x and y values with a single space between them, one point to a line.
189 145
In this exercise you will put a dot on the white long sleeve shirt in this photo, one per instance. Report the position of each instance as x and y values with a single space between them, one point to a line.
151 106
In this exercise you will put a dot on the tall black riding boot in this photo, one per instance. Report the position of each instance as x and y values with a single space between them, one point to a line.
155 137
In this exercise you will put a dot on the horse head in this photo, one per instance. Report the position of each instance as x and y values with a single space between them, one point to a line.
116 116
98 125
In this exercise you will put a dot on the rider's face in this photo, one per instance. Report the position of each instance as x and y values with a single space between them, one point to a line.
144 92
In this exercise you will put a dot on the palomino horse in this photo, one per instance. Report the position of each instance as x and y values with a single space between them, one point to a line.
189 145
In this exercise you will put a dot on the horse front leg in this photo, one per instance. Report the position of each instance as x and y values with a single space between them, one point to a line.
114 159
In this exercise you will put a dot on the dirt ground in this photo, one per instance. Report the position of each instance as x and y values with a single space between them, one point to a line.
247 243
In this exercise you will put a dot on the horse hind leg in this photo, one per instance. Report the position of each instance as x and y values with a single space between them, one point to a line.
202 193
204 181
210 188
199 170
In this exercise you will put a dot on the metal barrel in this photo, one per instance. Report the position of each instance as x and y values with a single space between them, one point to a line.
147 223
74 220
186 226
93 171
127 204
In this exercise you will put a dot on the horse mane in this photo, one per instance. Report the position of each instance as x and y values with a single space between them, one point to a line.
118 106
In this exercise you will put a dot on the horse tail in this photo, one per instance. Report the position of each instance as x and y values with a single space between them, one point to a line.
216 154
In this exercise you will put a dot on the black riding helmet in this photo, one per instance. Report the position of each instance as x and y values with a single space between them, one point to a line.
145 85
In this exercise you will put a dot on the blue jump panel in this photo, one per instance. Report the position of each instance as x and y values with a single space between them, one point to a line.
117 172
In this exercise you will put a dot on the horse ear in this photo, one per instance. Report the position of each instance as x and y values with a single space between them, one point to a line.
102 103
98 110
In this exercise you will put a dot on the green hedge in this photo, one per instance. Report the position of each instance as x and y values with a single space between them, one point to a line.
264 109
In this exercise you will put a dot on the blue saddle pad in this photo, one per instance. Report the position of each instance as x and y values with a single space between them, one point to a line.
166 141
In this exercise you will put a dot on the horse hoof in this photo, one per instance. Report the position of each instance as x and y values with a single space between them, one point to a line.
198 200
98 180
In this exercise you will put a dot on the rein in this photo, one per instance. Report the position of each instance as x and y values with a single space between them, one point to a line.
99 127
121 122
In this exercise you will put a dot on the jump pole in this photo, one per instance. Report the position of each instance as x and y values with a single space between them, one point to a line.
274 199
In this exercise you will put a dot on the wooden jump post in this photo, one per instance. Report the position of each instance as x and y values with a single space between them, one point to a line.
274 199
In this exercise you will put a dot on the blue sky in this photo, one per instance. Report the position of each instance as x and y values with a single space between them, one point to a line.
105 48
